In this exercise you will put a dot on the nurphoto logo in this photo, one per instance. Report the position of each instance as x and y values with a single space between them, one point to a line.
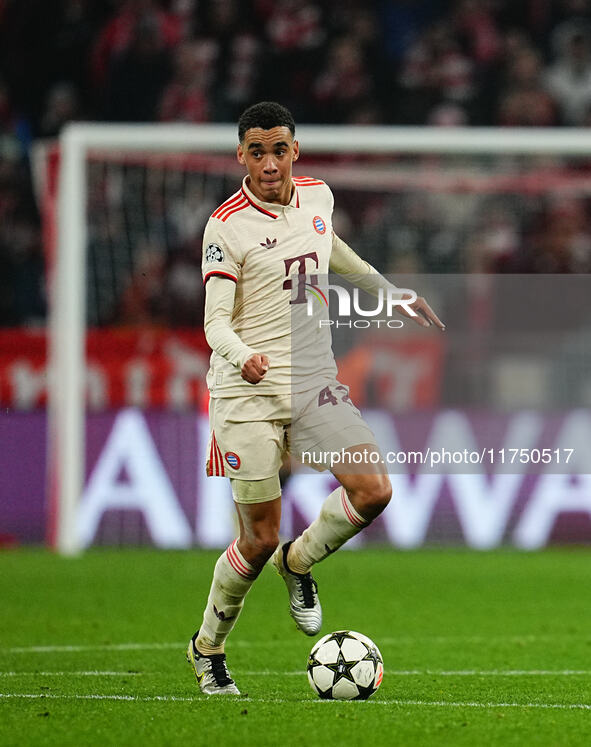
348 304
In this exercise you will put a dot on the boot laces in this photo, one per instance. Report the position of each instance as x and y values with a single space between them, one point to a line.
308 589
219 670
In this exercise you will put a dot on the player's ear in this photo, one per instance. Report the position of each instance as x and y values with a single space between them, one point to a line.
296 151
240 154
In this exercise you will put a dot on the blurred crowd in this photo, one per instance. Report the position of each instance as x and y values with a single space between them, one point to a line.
412 62
348 61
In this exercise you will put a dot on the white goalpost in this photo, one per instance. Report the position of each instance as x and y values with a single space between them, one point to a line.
67 321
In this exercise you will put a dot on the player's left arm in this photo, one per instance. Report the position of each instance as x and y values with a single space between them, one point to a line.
357 271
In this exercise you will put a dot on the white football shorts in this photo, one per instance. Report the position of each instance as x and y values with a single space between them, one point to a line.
249 436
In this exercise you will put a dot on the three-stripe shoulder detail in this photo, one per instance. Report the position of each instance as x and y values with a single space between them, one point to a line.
307 181
232 205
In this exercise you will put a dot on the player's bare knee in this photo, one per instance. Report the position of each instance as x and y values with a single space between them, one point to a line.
257 550
262 546
382 493
267 546
372 497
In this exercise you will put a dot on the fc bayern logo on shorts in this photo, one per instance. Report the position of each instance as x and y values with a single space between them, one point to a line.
319 225
232 459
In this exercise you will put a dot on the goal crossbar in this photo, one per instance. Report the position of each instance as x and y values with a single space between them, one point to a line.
364 140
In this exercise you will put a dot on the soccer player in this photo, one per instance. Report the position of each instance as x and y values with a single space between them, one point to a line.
259 248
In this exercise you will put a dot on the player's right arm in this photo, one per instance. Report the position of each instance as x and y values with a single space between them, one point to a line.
219 303
221 271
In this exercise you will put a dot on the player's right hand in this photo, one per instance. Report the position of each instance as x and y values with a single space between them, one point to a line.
255 368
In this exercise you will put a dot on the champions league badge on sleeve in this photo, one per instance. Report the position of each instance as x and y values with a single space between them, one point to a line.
214 253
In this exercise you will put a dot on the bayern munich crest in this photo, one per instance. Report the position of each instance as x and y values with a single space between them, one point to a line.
232 459
319 225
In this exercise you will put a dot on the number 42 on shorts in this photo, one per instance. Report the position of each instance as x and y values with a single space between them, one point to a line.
327 396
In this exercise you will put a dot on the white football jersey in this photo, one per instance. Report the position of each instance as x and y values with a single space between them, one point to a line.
275 254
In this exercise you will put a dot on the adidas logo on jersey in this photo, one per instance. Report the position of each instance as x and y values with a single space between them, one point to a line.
269 244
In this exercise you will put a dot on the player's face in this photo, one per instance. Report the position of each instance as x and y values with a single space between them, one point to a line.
268 156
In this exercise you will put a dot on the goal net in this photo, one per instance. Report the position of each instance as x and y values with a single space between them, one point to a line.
441 210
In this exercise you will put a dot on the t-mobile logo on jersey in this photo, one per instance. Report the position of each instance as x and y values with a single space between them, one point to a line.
299 296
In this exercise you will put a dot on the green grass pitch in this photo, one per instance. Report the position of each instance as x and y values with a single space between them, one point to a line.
479 649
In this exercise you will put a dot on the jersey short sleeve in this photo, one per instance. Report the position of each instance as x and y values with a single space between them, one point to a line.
219 257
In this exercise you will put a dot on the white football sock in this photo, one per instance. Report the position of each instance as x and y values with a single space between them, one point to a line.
337 522
232 578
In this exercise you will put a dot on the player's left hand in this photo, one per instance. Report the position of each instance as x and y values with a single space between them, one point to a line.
426 317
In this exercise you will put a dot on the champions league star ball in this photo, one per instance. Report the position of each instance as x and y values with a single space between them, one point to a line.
345 666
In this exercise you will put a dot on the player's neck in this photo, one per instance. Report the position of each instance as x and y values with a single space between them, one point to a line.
283 199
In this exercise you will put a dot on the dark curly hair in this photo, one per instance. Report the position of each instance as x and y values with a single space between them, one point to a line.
266 115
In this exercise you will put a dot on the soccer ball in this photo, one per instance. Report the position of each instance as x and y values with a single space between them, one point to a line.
345 666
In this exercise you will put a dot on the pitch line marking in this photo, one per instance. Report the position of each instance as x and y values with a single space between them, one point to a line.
479 639
388 641
302 673
142 698
91 647
446 673
90 673
450 704
490 672
181 699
